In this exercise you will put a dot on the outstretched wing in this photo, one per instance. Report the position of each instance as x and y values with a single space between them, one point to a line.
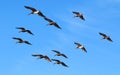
47 58
47 19
109 39
33 9
56 25
104 35
41 14
63 64
82 17
55 60
17 39
75 12
64 55
29 32
83 48
27 42
77 44
20 28
56 51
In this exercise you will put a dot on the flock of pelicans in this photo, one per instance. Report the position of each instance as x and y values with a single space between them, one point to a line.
51 22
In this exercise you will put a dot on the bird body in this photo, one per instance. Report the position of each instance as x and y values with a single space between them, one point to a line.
34 11
22 41
52 22
80 46
59 54
79 15
24 30
59 62
105 37
40 56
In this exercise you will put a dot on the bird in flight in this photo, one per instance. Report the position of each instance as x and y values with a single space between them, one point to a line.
80 46
105 37
59 62
78 15
22 41
52 22
40 56
59 54
24 30
34 11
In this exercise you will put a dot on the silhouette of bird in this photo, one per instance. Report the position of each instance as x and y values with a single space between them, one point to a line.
59 54
79 15
24 30
34 11
40 56
105 37
52 22
59 62
22 41
80 46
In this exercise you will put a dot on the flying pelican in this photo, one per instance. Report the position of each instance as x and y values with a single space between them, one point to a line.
52 22
79 15
80 46
24 30
59 54
40 56
22 41
34 11
59 62
105 37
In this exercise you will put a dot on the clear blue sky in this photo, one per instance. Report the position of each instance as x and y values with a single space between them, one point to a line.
103 57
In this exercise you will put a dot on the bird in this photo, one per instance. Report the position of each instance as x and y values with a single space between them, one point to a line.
22 41
34 11
80 46
40 56
59 62
59 54
24 30
79 15
105 37
52 23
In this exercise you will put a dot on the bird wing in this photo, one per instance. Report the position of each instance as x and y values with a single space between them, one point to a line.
17 39
55 60
83 48
47 58
47 19
56 25
104 35
20 28
27 42
78 44
63 64
56 51
82 17
29 32
37 55
33 9
109 39
75 12
64 55
41 14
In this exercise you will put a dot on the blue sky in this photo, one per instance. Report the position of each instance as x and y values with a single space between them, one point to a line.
101 16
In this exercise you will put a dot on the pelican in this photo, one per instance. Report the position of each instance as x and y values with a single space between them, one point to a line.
40 56
24 30
59 54
59 62
52 22
22 41
80 46
105 37
79 15
34 11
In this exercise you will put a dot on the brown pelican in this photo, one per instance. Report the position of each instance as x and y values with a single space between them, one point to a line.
59 54
34 11
79 15
105 37
40 56
80 46
52 22
22 41
59 62
24 30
